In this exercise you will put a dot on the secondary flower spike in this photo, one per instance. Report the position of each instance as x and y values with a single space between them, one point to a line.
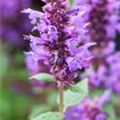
58 43
104 22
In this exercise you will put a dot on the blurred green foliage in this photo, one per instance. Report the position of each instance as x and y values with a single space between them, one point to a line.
13 105
17 96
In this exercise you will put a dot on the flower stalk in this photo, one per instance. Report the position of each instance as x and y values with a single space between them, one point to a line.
61 99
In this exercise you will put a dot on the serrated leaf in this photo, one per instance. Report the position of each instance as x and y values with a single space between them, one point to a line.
81 87
72 98
43 77
49 116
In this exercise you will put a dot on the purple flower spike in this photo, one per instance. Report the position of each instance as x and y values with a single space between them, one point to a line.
59 42
103 22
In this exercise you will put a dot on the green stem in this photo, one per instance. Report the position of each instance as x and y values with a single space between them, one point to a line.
61 99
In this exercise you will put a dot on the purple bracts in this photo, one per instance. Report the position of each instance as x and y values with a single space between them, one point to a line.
58 44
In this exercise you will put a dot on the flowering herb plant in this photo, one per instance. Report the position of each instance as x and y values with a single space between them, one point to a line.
59 45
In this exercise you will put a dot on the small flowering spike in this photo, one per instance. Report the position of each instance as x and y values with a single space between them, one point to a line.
103 21
58 43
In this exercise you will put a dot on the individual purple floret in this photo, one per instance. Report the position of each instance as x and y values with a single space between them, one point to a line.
58 44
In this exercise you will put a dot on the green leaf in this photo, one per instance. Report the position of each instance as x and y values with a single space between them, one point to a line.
72 98
43 77
76 93
75 88
49 116
39 109
81 87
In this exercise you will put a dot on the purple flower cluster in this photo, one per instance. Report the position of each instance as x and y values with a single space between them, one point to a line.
89 109
58 43
13 23
103 22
